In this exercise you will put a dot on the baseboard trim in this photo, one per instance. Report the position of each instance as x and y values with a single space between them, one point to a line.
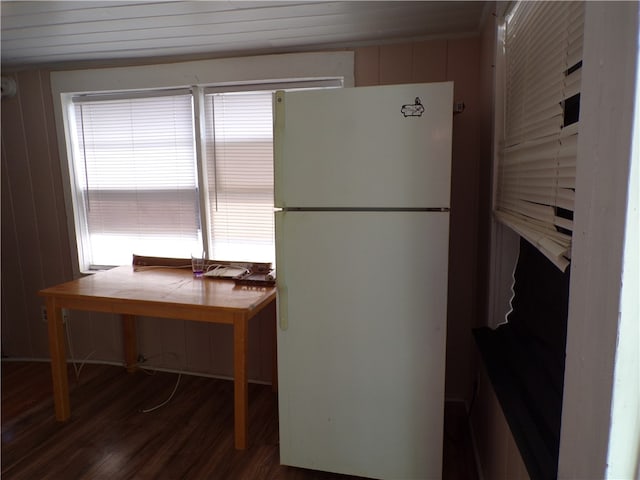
476 453
146 367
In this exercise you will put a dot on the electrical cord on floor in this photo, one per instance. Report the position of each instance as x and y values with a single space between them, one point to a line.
79 369
148 410
143 359
67 328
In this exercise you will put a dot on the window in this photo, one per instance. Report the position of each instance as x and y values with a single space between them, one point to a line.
135 177
171 169
535 184
142 188
239 178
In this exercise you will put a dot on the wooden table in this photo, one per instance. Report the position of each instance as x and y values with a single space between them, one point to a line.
156 292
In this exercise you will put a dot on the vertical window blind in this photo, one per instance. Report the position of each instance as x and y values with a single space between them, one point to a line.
537 160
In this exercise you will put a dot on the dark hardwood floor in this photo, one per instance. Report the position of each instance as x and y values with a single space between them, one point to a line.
189 438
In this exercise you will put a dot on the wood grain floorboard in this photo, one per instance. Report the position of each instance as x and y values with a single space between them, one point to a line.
108 437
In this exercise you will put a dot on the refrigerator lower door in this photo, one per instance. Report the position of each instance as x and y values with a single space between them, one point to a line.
361 341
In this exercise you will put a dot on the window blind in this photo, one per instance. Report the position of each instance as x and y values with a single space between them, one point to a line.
135 174
537 159
239 173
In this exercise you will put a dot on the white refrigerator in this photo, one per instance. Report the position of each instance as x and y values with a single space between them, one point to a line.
362 187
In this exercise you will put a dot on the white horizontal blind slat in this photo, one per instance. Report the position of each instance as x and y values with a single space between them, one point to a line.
537 162
556 251
135 168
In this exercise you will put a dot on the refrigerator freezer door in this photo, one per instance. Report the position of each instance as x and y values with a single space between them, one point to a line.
364 147
361 343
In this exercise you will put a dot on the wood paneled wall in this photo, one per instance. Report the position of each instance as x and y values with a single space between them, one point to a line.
35 245
36 250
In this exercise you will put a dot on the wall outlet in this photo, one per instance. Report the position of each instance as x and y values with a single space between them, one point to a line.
44 318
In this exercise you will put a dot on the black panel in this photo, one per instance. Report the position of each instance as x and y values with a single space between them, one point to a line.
525 358
571 110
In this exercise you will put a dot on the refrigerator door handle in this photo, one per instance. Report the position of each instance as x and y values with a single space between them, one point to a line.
283 299
278 143
283 315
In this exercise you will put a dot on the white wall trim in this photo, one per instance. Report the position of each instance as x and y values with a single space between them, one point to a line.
604 151
623 456
145 367
292 66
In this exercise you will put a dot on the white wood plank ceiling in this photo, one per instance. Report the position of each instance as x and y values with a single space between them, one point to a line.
54 32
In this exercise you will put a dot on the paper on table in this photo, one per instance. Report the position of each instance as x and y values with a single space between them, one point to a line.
223 271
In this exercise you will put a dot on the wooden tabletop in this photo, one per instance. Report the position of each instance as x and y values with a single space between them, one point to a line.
159 291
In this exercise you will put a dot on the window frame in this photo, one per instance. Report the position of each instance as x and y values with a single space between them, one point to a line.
85 155
245 73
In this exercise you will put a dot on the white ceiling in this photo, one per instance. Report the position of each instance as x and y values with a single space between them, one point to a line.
54 32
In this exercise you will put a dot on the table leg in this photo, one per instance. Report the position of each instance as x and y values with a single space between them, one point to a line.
130 343
241 396
58 361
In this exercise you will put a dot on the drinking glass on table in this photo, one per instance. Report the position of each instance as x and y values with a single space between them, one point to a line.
197 264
